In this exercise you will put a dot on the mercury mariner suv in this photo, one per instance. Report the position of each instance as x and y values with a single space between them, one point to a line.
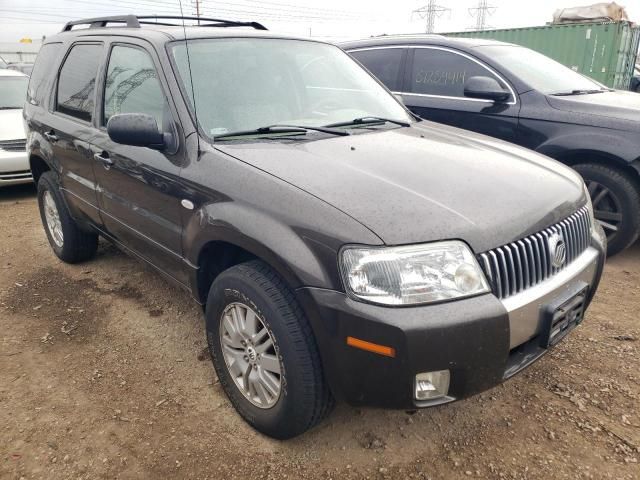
341 248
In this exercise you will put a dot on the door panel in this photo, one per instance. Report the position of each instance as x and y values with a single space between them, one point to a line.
434 90
71 129
138 188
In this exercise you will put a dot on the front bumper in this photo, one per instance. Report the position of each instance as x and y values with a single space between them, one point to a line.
482 340
14 168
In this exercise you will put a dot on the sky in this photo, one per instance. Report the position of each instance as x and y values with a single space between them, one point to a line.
332 20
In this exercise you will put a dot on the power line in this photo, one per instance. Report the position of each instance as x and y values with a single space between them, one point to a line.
481 12
430 12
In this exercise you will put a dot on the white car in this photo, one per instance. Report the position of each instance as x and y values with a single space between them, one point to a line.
14 163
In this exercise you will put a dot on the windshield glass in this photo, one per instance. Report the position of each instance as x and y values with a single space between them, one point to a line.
242 84
13 91
539 71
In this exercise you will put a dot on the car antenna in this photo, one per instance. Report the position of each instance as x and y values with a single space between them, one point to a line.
193 92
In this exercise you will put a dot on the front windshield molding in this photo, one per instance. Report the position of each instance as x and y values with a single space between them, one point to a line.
514 97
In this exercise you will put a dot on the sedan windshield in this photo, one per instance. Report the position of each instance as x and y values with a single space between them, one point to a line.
13 91
246 84
539 71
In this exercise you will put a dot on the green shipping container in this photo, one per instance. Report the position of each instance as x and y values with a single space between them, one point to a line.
605 52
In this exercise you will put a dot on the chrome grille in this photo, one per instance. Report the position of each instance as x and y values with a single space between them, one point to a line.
524 263
13 145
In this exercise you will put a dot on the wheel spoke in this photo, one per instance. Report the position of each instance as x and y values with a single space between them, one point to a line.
251 323
231 330
244 340
237 367
269 382
603 215
592 187
608 226
258 337
236 320
264 346
262 392
270 363
599 197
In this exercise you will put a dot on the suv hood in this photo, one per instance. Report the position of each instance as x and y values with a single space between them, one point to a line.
622 108
427 182
11 125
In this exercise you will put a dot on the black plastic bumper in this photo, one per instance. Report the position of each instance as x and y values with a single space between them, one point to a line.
468 337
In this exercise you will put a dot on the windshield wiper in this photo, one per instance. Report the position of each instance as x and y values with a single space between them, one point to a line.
579 92
281 129
368 121
10 108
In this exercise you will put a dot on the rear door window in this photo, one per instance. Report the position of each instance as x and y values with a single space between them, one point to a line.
41 73
384 63
443 73
77 81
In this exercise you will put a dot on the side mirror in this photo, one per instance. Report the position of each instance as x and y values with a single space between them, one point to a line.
486 88
136 129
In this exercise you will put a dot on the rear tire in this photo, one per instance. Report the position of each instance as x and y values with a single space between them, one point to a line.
69 242
293 370
616 203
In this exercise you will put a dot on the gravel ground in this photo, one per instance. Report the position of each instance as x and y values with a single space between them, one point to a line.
104 373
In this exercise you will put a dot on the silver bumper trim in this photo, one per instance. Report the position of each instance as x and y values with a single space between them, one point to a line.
525 308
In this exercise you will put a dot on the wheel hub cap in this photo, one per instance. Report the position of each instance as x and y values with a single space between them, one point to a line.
250 355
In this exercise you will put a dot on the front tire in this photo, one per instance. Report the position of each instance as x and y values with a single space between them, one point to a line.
616 204
264 352
69 242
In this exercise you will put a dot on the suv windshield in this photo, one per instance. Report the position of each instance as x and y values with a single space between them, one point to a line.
13 91
243 84
539 71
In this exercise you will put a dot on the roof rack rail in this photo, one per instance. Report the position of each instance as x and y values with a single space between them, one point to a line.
133 21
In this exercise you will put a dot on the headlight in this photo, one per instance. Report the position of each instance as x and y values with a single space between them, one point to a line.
412 274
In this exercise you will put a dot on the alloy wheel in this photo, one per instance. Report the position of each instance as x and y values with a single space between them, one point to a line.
606 208
52 217
250 355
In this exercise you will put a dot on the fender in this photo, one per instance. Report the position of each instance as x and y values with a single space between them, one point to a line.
613 145
309 261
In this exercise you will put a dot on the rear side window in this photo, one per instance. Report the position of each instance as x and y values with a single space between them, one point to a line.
41 73
132 85
76 83
443 73
384 63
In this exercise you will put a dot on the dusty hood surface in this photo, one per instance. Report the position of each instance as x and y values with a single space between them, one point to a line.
425 183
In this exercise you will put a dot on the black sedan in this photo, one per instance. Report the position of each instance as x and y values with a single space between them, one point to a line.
521 96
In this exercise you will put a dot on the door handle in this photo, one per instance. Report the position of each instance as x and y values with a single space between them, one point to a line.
104 158
51 136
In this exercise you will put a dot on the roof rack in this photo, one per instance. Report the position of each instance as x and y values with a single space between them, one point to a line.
133 21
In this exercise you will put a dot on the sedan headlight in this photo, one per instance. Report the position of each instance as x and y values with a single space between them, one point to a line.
413 274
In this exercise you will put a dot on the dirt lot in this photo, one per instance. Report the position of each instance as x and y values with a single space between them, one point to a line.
104 374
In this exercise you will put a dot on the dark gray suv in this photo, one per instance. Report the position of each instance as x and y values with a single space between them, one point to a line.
340 247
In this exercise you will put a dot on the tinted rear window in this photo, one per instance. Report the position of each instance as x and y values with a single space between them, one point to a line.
76 84
41 73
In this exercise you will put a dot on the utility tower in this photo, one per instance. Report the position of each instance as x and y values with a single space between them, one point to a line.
197 5
430 12
481 12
